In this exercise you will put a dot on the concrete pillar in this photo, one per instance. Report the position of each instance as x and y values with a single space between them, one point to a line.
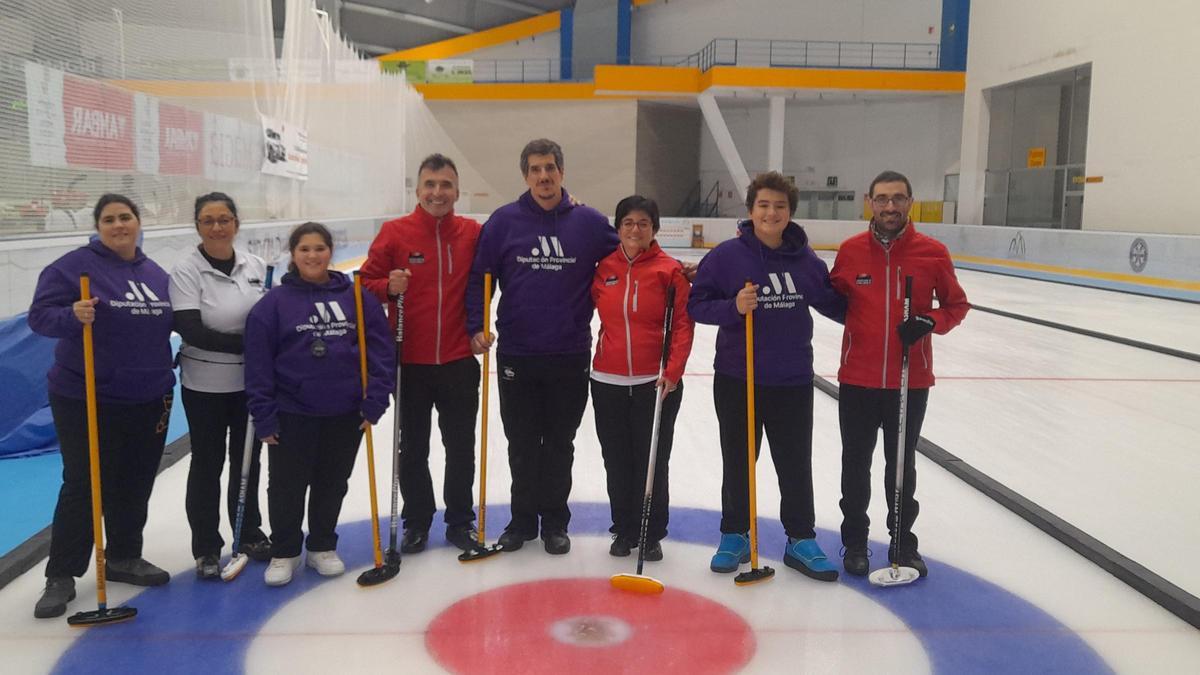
775 135
724 140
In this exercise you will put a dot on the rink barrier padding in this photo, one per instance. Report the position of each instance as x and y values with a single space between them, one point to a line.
1127 289
32 551
1158 589
1149 346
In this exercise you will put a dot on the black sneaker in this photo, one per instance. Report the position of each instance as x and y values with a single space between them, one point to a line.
653 552
136 571
415 540
856 560
258 551
463 536
556 542
59 591
512 540
208 567
621 547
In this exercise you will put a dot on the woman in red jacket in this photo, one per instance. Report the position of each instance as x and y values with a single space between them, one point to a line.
630 292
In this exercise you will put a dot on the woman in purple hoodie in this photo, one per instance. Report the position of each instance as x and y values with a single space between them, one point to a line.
786 278
130 312
304 391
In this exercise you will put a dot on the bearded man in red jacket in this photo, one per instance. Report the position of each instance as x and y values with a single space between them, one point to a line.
426 256
870 270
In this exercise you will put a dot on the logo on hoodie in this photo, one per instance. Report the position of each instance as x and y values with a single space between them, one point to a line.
780 293
548 254
140 300
329 321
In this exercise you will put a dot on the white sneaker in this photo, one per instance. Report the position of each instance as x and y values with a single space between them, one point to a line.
326 563
279 572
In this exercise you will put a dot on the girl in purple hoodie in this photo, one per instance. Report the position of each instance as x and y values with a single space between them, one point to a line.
130 314
304 391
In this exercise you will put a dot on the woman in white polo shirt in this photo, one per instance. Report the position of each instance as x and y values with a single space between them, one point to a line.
212 291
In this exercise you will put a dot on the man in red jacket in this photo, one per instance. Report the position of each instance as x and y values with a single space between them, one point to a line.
870 270
426 256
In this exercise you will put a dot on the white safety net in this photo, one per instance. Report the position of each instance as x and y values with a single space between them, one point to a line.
164 100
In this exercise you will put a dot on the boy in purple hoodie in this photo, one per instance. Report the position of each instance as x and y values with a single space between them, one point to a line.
787 278
130 313
543 250
304 390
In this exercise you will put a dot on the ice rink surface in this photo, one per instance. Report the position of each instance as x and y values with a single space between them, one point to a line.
1105 436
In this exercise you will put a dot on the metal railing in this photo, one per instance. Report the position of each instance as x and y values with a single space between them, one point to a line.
517 70
806 54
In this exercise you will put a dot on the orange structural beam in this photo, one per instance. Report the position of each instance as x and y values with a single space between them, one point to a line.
509 32
508 91
648 80
835 78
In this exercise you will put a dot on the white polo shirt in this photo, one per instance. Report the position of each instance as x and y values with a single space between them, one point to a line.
223 301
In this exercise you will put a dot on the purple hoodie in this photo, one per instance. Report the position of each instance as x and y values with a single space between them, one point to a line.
282 372
544 262
791 278
132 332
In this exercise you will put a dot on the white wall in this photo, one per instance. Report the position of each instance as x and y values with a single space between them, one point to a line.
599 140
680 27
1141 133
853 141
668 153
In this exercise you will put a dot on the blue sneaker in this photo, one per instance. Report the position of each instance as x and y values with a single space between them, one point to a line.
806 557
733 551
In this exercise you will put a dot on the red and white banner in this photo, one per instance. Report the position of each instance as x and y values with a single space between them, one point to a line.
99 125
181 135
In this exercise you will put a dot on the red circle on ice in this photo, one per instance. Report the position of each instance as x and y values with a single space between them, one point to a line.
586 626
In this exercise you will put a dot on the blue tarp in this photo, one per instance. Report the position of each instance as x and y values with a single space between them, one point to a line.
26 428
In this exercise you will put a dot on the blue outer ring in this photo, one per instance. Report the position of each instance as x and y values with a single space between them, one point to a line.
965 624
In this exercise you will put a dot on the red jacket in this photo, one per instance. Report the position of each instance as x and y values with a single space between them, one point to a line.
438 253
631 298
872 279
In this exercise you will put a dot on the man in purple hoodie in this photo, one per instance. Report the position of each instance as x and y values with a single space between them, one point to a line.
543 250
786 278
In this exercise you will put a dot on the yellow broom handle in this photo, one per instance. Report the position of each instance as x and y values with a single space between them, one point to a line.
483 424
93 427
750 435
362 362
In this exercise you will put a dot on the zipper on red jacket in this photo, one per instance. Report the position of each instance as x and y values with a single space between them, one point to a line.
437 233
625 311
887 311
635 295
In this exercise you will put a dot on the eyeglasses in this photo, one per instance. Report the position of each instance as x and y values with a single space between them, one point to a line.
882 201
223 222
637 224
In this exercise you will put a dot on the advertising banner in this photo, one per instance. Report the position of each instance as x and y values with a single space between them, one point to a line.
285 149
233 149
44 96
99 126
181 133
